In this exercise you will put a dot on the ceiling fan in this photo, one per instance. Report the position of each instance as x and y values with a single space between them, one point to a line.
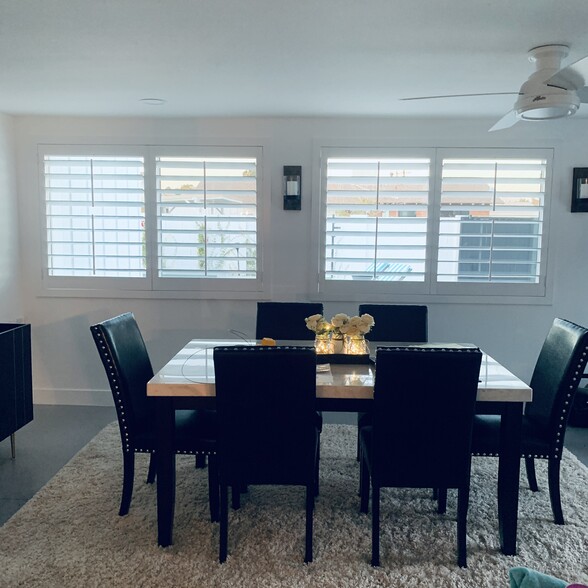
550 92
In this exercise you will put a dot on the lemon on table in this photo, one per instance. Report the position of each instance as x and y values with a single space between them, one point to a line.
268 341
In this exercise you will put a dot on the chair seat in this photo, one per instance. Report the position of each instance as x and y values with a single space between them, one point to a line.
486 437
280 474
192 427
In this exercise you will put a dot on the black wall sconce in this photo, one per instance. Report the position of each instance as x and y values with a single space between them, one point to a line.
292 188
580 190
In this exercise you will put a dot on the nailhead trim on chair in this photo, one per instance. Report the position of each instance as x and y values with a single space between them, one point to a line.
262 348
566 405
114 384
432 349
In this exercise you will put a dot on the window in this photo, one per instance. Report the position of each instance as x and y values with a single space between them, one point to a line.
376 218
95 215
491 220
436 221
206 217
152 219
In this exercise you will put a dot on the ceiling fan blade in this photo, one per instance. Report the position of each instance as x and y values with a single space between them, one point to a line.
573 76
508 120
462 95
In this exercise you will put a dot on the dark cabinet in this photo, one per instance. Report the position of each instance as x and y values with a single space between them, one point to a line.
16 380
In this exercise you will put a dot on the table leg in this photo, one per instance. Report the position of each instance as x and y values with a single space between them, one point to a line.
508 476
166 471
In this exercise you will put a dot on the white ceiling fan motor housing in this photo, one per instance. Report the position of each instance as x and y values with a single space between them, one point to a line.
540 101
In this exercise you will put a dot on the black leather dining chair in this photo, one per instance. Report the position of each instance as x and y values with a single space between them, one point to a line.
554 382
406 323
128 367
424 404
285 320
268 434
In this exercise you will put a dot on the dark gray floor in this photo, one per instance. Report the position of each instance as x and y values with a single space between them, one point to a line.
57 433
43 447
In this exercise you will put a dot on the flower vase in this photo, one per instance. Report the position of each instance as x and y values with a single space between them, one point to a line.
337 344
322 343
356 345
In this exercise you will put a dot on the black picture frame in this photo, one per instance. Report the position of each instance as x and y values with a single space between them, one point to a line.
580 190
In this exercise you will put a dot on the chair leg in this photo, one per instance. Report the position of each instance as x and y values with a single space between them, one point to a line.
364 486
441 500
554 491
152 468
317 467
236 496
310 490
463 500
375 525
200 461
213 489
531 477
128 478
360 486
224 523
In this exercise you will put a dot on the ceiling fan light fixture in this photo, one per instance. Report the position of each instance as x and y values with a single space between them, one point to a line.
547 106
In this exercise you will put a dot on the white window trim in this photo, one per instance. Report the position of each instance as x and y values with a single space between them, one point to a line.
152 287
430 291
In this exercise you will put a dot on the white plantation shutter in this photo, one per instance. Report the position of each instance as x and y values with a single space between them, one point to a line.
376 211
491 220
169 221
207 217
433 222
95 216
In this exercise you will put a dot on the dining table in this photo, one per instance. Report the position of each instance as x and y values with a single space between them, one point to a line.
342 385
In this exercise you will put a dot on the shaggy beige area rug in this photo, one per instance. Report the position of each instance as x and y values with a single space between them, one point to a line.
70 535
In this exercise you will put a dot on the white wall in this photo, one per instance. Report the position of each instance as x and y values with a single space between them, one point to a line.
66 364
11 309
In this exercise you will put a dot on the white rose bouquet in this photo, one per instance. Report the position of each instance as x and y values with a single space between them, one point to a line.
340 323
358 325
318 324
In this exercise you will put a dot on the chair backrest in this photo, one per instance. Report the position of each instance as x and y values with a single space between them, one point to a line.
265 398
397 322
128 367
285 320
424 404
556 376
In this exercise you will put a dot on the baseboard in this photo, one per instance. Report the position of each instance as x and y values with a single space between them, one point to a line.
72 397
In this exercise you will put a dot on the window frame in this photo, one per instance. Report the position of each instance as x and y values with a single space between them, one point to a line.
430 290
152 286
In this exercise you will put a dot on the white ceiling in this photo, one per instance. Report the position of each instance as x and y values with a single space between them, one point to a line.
275 58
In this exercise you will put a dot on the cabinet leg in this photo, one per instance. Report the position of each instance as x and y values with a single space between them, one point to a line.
13 445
